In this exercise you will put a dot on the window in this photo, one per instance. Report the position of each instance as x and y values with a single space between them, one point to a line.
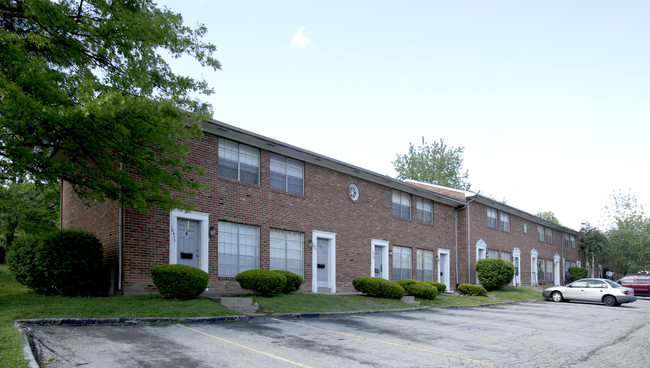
506 256
239 248
239 162
572 241
505 222
286 174
540 233
549 270
492 254
549 235
287 251
401 204
492 217
425 265
424 209
565 238
401 263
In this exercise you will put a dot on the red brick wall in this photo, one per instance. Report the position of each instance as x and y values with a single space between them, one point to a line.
324 207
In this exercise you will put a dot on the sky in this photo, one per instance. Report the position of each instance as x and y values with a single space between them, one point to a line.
549 99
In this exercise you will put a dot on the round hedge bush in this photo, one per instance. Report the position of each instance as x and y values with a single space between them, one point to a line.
175 281
293 281
65 262
494 273
440 286
406 282
378 287
469 289
264 282
422 290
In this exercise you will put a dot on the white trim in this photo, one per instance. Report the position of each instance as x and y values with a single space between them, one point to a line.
204 221
516 255
480 246
384 257
447 268
534 267
556 270
331 237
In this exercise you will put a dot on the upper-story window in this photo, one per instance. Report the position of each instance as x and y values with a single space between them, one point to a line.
549 236
540 233
401 204
572 241
492 217
505 222
566 240
424 209
239 162
286 174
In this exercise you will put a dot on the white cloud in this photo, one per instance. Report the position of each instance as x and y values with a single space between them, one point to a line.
553 134
509 137
299 39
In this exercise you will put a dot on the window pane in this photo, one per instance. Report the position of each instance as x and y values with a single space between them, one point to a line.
287 251
238 248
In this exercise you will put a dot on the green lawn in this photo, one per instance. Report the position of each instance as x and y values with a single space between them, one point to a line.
17 302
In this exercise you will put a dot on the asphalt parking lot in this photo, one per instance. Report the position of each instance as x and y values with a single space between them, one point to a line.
533 334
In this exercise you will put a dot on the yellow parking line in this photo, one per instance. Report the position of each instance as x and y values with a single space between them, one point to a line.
385 342
483 337
246 347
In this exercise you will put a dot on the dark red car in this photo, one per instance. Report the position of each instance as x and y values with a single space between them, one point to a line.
640 283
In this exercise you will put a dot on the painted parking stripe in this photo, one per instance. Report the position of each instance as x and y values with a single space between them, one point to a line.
482 337
246 347
385 342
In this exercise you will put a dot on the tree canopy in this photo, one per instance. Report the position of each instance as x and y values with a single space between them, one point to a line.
548 216
591 242
436 163
87 96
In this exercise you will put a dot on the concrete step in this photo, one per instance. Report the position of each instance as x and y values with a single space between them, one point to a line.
238 304
410 300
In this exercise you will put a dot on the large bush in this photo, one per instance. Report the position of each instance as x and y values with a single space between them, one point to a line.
264 282
378 287
293 281
406 282
175 281
469 289
66 262
577 273
440 286
494 273
422 290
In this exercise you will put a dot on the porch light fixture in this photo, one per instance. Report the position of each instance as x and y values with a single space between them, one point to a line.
213 231
310 244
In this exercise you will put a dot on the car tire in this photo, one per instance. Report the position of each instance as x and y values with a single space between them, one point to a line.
609 301
556 296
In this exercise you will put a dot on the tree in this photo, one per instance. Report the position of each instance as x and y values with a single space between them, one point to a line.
548 216
591 244
27 208
87 96
435 163
628 238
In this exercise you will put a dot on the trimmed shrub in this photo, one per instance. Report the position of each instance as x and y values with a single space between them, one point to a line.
440 286
264 282
65 262
494 273
378 287
469 289
293 281
422 290
406 282
577 273
175 281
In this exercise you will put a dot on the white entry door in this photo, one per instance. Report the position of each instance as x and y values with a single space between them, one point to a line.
443 267
188 243
322 262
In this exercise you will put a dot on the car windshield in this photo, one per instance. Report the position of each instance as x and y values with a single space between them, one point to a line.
612 283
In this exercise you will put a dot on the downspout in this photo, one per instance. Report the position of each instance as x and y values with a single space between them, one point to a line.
120 235
469 261
456 240
469 254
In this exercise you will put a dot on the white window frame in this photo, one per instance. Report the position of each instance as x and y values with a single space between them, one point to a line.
398 253
492 219
424 210
403 202
285 164
505 221
220 254
540 233
283 236
235 147
424 264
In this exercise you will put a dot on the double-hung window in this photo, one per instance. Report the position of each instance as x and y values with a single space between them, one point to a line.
572 240
425 265
492 254
424 209
549 235
492 217
506 256
401 263
287 251
540 233
286 174
505 222
565 238
238 248
239 162
401 204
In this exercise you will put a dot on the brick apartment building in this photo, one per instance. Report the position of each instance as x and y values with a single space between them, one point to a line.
275 206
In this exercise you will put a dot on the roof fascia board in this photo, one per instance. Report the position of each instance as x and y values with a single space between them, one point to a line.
506 208
240 135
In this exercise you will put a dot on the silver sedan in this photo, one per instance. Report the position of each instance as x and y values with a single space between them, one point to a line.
591 290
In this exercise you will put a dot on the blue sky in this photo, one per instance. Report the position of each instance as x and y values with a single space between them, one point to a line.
550 99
